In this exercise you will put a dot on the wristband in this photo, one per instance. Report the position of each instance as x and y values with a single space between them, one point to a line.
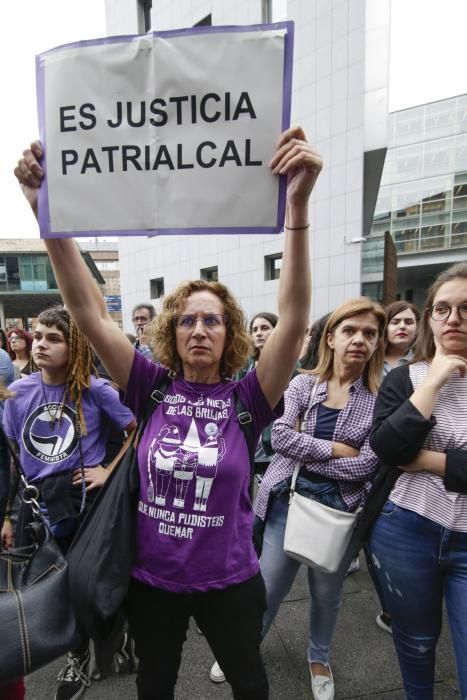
297 228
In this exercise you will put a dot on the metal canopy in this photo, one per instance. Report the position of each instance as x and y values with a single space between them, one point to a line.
28 304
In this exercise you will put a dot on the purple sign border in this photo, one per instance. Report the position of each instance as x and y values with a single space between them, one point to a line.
43 203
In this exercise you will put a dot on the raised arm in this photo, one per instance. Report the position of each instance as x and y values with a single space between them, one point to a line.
300 162
79 290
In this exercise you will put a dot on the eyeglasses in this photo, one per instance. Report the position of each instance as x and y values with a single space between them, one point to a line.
441 312
14 338
211 322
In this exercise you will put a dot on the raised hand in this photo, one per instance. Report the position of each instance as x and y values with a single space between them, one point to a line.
30 174
444 365
302 164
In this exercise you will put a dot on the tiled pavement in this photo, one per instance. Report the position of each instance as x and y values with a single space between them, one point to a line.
363 659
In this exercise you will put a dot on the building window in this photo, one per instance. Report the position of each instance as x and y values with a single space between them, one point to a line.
157 288
210 274
106 265
374 290
272 266
35 273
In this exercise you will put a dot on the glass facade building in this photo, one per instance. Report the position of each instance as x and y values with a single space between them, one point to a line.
26 273
422 199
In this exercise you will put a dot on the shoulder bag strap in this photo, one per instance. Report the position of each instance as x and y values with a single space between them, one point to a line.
246 424
299 465
156 399
30 493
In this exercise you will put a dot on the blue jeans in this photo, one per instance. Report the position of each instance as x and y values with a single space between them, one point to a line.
419 563
279 571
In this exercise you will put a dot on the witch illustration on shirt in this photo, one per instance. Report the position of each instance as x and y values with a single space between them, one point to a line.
169 457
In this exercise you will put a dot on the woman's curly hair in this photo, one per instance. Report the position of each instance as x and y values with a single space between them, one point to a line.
237 342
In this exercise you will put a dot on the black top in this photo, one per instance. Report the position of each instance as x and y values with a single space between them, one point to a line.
326 422
399 430
397 435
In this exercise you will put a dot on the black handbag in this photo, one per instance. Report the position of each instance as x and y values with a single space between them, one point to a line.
102 552
38 624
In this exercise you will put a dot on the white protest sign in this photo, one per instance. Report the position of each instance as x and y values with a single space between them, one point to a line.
166 133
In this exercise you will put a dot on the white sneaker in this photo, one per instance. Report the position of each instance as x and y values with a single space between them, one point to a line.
322 687
384 621
216 674
354 566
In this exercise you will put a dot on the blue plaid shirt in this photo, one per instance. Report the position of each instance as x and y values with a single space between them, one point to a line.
353 474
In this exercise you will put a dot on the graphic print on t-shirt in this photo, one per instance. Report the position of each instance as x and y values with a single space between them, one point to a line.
49 435
191 461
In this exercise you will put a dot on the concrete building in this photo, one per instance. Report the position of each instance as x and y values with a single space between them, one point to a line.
340 91
105 257
27 281
402 173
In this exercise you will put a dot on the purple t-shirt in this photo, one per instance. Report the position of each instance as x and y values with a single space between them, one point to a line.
194 510
50 446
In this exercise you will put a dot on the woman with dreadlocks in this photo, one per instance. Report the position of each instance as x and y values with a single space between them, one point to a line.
59 419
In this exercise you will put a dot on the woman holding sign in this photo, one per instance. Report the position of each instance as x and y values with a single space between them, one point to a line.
194 555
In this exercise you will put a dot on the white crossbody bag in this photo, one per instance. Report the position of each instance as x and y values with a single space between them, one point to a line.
315 534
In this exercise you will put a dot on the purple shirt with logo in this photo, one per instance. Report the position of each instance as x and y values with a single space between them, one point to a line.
49 445
194 511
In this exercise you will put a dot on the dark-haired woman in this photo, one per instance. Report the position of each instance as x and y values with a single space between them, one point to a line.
59 418
401 332
310 357
261 326
419 541
20 350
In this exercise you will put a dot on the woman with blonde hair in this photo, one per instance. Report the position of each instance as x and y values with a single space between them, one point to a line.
334 404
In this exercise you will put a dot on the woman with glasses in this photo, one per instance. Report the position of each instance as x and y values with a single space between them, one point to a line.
20 351
419 541
194 552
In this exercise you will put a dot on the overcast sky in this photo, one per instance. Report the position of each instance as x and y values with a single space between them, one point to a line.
427 63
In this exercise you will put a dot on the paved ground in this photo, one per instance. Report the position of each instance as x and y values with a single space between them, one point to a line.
363 659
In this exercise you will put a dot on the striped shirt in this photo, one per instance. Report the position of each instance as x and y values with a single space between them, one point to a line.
423 492
352 474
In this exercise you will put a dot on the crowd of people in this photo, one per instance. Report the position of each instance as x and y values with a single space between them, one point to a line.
370 391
